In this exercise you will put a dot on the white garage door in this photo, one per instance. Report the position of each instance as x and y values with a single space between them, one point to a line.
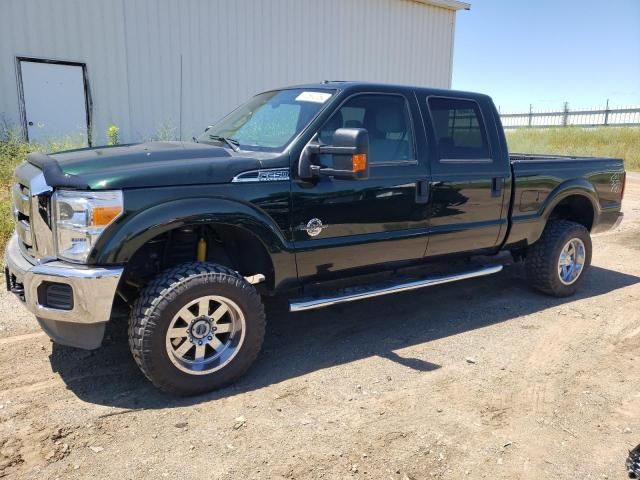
54 101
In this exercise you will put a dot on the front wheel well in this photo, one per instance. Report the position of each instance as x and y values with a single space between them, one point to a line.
227 245
574 208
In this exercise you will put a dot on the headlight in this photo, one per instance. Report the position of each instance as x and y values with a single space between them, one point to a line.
80 218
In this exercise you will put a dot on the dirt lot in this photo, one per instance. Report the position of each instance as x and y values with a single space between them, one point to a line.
482 379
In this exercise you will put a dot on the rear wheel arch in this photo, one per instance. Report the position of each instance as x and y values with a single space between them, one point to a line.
575 207
574 201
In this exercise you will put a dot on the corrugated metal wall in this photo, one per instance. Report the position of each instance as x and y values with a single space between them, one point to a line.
228 51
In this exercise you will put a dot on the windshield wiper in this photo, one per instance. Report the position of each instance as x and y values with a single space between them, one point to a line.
232 142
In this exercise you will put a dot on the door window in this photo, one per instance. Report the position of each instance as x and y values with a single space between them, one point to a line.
386 118
459 129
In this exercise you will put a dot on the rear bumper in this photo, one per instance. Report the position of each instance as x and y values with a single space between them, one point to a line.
91 291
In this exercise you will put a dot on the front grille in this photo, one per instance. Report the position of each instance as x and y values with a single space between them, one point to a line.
22 214
31 198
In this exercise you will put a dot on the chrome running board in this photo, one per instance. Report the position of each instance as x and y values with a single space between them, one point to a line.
354 294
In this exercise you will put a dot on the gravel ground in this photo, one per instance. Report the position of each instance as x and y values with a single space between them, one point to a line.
480 379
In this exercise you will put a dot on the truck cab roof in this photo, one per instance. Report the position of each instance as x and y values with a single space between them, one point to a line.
355 86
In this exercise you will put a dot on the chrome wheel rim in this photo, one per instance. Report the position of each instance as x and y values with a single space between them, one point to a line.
205 335
571 261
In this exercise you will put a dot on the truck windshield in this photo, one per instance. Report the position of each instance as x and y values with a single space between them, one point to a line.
269 121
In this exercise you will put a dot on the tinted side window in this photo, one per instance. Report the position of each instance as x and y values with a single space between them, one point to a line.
459 130
386 118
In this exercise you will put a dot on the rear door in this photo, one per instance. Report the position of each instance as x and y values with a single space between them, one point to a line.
468 175
343 225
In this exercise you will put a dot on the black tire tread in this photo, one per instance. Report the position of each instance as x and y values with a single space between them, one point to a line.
142 317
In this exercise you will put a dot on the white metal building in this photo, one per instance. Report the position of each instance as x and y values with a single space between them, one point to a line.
158 68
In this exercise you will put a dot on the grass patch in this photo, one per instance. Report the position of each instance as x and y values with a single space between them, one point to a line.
13 151
595 142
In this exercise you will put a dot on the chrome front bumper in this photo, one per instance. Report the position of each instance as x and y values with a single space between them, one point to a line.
93 290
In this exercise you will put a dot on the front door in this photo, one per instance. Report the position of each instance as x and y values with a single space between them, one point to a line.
468 178
342 225
55 105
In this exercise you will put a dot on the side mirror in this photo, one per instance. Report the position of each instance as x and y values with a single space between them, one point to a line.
349 152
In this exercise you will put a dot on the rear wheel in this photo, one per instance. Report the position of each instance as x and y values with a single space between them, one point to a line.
195 328
557 263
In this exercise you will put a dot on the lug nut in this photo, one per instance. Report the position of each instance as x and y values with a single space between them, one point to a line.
210 337
200 342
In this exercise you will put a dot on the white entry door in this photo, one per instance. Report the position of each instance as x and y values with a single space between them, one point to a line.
54 102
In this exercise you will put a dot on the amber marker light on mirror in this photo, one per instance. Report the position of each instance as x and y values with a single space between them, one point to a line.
359 162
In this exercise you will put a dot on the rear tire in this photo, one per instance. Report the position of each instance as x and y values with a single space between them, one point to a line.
558 262
196 328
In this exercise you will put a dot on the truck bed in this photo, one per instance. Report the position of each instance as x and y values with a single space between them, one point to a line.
534 157
539 182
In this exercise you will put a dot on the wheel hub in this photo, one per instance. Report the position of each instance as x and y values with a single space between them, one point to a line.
200 328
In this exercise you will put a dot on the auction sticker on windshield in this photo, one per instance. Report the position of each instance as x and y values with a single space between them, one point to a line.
316 97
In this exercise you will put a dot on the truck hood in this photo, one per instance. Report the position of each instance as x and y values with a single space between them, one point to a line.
154 164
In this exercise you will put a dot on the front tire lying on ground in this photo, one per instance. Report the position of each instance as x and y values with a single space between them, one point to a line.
196 327
557 263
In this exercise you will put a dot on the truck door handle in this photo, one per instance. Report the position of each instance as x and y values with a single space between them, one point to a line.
423 191
496 186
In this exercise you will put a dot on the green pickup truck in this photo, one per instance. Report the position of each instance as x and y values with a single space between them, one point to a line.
324 193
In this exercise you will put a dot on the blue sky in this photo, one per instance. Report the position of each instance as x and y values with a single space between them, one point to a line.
546 52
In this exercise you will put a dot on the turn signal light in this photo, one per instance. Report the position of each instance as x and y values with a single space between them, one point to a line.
103 216
359 162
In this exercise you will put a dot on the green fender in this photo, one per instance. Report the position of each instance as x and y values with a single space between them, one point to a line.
578 186
130 232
